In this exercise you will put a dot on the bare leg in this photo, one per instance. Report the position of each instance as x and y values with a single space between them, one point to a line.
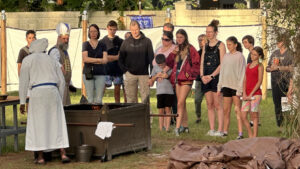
167 119
237 109
246 123
218 104
40 158
64 157
182 92
185 117
210 109
254 116
161 119
227 102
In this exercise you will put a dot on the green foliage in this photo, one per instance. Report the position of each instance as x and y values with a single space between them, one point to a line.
284 21
240 5
162 4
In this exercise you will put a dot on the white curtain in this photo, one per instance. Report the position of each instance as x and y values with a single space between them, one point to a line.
16 40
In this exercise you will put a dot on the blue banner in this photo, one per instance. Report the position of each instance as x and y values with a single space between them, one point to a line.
144 21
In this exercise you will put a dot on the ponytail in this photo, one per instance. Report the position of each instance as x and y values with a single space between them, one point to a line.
235 41
239 47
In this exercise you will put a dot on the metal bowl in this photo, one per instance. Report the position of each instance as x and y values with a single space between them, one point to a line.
3 96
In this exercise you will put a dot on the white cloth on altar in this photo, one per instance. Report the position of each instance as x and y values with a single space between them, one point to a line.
104 129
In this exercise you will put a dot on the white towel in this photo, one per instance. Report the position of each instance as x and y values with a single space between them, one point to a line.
104 129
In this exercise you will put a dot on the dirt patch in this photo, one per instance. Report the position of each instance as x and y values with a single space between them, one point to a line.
157 158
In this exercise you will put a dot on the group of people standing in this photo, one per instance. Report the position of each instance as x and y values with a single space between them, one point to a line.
222 77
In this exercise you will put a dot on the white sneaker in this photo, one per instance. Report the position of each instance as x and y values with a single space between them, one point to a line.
211 133
219 134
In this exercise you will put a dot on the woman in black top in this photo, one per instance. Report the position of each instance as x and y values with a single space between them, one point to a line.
209 72
94 55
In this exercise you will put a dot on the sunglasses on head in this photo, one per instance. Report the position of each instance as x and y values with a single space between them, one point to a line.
166 39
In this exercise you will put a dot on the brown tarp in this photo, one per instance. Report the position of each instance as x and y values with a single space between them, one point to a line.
250 153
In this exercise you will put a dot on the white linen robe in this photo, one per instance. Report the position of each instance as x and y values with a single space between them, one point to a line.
46 124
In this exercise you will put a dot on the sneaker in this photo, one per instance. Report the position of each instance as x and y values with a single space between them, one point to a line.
219 134
186 130
239 137
225 134
181 129
176 131
251 123
211 133
198 121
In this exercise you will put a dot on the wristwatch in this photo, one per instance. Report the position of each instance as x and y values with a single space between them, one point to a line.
212 77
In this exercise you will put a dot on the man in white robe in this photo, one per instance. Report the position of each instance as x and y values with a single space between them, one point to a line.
46 124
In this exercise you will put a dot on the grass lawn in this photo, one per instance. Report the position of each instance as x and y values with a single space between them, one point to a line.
162 142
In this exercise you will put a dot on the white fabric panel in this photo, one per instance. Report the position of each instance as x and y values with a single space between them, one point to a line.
16 40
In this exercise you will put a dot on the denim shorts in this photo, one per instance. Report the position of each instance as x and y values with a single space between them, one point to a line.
117 80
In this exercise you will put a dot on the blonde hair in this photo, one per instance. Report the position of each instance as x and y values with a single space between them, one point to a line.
203 36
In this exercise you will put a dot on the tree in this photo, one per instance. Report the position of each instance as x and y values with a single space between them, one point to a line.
284 19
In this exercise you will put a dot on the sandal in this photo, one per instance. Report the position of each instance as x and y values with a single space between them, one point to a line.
65 160
40 162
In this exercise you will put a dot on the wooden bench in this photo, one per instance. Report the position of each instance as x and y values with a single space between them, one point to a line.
10 130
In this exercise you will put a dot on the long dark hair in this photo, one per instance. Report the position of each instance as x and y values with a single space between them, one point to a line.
186 39
169 35
184 47
235 41
259 51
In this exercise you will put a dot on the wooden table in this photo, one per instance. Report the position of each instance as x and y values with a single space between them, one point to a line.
10 130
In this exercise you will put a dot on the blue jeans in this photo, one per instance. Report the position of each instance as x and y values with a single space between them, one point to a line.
94 88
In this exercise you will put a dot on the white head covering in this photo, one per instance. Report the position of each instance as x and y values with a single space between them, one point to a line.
63 29
38 46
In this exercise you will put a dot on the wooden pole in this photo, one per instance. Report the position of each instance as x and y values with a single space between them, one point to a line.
3 53
168 19
264 45
84 38
140 7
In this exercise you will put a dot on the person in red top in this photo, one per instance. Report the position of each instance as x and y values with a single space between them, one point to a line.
251 91
184 62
